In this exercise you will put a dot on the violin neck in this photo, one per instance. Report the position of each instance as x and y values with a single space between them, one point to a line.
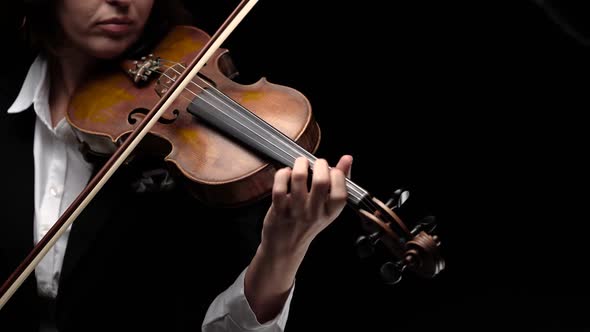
234 120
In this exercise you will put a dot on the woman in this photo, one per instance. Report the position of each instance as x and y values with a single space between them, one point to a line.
129 260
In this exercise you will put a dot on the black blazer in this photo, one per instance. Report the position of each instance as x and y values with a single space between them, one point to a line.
134 261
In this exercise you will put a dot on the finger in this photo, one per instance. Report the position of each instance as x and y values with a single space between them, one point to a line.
338 192
345 165
320 185
280 188
299 180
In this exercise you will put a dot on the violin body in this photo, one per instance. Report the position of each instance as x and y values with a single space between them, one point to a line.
218 170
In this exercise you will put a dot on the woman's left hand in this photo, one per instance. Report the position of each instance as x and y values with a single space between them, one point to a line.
296 216
298 213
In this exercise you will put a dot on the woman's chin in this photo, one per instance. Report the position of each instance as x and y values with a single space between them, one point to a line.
109 50
108 54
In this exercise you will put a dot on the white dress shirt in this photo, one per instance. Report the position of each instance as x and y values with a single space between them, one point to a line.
61 173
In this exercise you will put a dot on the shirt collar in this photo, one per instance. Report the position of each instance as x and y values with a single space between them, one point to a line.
34 87
35 91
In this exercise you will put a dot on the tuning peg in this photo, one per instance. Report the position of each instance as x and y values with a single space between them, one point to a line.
398 198
391 272
426 224
365 244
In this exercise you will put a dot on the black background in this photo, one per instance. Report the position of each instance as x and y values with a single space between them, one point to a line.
477 107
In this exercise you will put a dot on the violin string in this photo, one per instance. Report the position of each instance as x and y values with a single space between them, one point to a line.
354 194
277 150
355 190
247 115
366 204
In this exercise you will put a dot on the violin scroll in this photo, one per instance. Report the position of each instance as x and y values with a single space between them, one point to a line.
416 250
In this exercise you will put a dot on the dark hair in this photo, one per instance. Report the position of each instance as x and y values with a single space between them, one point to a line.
41 29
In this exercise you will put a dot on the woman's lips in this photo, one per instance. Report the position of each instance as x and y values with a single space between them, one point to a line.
116 26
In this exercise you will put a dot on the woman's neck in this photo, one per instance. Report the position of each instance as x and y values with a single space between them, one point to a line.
67 71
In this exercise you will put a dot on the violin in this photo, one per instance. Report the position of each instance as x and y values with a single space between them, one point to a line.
224 139
218 135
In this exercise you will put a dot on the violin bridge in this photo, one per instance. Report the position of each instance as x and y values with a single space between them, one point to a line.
168 77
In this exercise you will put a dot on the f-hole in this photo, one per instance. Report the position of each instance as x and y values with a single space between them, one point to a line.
138 113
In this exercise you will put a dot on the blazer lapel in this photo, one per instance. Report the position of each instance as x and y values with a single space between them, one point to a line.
17 205
16 214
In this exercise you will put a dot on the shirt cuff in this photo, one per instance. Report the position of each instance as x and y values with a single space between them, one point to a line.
232 308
